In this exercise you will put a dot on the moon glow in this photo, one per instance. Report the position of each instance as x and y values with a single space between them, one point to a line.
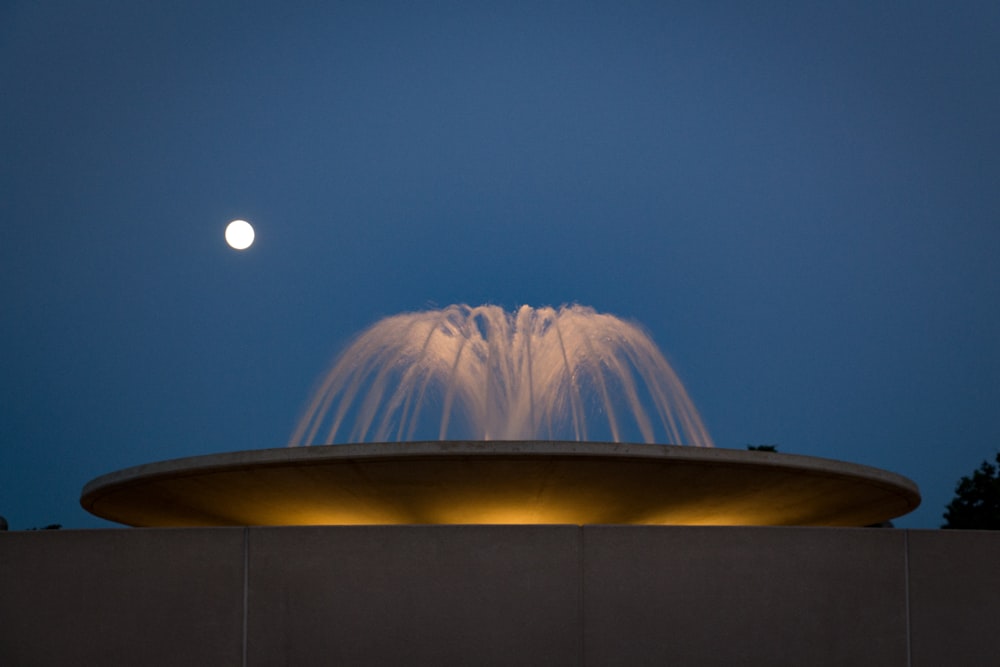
239 234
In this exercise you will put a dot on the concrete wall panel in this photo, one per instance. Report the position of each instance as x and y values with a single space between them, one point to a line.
954 597
503 595
121 597
419 595
744 596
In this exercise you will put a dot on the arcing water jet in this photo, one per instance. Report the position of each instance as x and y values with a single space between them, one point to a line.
482 373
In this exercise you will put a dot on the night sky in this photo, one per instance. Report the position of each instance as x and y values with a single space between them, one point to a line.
800 202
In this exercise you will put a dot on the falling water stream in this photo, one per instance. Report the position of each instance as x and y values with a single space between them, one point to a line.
481 373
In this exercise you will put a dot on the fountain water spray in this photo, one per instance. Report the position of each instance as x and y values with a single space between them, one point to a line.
485 374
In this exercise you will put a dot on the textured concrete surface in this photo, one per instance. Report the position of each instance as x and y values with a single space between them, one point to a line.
499 595
483 595
500 483
954 596
737 596
121 597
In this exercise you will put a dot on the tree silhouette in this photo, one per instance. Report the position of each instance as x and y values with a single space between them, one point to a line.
976 505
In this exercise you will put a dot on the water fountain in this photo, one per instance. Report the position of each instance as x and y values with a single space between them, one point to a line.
516 402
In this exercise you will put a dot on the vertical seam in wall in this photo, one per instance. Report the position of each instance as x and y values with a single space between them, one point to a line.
581 614
246 578
906 588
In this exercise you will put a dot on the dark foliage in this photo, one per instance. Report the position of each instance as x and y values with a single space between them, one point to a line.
762 448
976 505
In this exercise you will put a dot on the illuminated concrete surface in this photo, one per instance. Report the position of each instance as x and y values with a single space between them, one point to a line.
556 596
500 483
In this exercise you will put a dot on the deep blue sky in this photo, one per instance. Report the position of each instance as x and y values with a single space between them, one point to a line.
801 203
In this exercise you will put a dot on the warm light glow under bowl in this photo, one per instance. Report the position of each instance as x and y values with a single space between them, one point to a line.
500 482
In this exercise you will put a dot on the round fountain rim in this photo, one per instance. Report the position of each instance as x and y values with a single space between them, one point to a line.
205 483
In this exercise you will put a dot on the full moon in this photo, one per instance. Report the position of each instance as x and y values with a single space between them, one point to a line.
239 234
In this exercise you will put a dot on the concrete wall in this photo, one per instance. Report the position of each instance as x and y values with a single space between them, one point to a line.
499 595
